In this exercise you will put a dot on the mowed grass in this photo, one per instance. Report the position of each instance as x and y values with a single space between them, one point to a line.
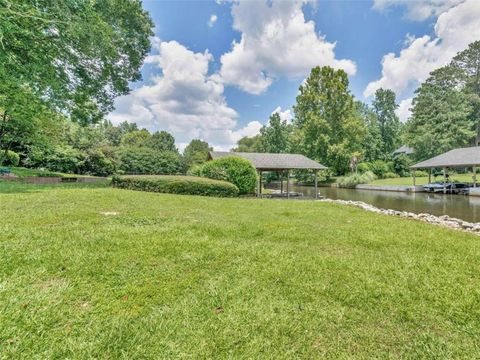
110 273
423 180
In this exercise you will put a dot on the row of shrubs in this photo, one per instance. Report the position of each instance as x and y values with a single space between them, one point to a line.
225 177
185 185
100 162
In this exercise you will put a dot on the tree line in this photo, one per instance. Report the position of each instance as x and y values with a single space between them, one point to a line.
62 65
330 126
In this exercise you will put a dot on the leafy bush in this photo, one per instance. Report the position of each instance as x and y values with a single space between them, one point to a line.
308 176
379 168
134 160
420 173
96 163
355 179
401 165
236 170
364 167
64 159
11 158
390 175
186 185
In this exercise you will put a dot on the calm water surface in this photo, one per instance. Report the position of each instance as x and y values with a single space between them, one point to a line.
459 206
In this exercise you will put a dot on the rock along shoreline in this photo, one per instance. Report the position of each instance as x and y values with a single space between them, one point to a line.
444 220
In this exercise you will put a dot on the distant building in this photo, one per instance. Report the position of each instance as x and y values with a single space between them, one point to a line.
404 149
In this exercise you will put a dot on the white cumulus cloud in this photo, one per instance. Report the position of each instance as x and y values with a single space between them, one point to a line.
454 30
183 100
276 40
418 10
213 20
403 110
284 115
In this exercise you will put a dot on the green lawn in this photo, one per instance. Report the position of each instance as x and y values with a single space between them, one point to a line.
423 180
96 272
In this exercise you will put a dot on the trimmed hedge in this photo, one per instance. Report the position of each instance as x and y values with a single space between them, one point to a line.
236 170
185 185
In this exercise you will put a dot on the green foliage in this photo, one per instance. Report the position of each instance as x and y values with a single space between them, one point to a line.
384 105
238 171
390 175
372 143
162 141
379 168
441 116
185 185
364 167
134 160
9 158
355 179
64 159
196 152
248 144
275 137
401 164
96 163
421 173
327 125
466 65
138 138
72 56
308 176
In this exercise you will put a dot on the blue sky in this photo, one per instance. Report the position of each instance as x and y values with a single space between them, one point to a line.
217 70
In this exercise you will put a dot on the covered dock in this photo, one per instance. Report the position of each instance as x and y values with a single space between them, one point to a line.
457 158
279 163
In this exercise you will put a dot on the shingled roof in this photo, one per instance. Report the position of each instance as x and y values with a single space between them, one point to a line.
268 161
462 157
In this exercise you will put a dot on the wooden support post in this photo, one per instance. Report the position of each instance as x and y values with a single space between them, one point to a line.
288 184
430 175
316 184
414 179
281 183
258 183
474 176
444 180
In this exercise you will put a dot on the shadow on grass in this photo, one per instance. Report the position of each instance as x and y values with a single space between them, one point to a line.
14 187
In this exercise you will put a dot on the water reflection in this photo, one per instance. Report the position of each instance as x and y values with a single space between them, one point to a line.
459 206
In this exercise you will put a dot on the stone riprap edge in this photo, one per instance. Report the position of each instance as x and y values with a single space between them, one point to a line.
444 220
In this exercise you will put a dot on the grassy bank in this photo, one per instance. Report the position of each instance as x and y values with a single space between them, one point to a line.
110 273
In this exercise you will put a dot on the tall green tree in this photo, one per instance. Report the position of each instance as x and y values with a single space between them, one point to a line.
441 115
139 138
162 141
372 143
72 57
467 65
196 152
274 137
384 105
248 144
327 126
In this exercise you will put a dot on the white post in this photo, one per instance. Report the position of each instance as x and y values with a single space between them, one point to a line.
316 185
474 176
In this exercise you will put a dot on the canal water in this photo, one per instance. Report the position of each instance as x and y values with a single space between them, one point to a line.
459 206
